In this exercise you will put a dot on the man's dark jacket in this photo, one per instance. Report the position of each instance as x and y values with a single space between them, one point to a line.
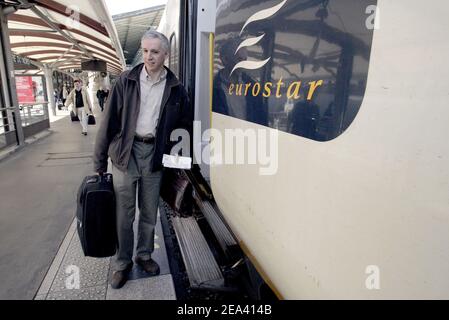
116 134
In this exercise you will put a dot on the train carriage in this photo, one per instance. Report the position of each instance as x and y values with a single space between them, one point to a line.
350 97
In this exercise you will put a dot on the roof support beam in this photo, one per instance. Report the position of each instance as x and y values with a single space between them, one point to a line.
61 38
62 56
33 53
56 64
65 46
61 9
14 31
55 27
37 64
38 22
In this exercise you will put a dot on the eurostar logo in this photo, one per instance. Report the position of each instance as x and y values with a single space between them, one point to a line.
270 88
261 15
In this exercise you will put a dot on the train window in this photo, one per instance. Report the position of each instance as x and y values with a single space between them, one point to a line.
173 62
297 66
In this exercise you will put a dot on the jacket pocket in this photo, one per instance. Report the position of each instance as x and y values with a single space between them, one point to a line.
114 148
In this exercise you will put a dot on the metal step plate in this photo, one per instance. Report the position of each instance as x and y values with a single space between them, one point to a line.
220 230
201 266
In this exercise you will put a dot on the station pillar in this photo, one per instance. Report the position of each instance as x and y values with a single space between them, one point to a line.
50 89
8 76
94 86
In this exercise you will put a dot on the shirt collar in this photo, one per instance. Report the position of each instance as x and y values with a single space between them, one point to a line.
145 76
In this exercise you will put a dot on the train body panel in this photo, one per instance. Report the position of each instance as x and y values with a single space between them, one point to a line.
354 203
374 200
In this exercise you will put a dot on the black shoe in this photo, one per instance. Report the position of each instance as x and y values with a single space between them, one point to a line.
84 133
119 278
149 266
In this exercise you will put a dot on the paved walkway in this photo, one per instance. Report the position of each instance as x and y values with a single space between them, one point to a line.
40 253
73 276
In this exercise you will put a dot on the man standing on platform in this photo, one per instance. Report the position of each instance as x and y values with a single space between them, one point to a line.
145 105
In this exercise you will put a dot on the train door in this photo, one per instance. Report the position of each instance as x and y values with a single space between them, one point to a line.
204 40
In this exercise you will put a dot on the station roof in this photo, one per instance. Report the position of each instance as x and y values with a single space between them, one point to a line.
132 25
62 35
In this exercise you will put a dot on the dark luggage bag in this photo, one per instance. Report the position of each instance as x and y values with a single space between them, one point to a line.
176 190
96 216
91 120
73 116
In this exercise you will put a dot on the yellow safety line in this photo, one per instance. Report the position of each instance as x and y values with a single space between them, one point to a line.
211 74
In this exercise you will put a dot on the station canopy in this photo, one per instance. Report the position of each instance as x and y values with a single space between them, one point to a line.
63 34
132 25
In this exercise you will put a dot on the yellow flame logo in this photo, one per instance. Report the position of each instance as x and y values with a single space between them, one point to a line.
261 15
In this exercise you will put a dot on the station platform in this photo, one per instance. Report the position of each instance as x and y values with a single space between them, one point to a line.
40 250
59 283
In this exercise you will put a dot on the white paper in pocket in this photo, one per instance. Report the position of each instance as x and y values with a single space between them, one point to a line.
176 162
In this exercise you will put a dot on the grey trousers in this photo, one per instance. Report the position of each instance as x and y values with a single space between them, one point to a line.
137 179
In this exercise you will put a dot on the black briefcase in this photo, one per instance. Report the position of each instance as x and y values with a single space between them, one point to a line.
91 120
96 216
73 116
176 190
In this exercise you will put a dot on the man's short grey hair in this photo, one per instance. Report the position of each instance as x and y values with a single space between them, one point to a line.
153 34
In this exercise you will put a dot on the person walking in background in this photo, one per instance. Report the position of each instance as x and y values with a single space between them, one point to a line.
106 94
56 97
64 95
81 105
101 95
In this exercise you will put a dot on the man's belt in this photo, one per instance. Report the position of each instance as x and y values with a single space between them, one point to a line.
144 139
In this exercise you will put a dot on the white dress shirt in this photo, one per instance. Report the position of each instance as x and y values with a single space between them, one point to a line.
151 92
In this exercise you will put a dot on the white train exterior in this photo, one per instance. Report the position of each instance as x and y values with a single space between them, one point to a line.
358 206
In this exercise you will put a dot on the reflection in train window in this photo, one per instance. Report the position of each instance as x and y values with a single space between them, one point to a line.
173 62
302 70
